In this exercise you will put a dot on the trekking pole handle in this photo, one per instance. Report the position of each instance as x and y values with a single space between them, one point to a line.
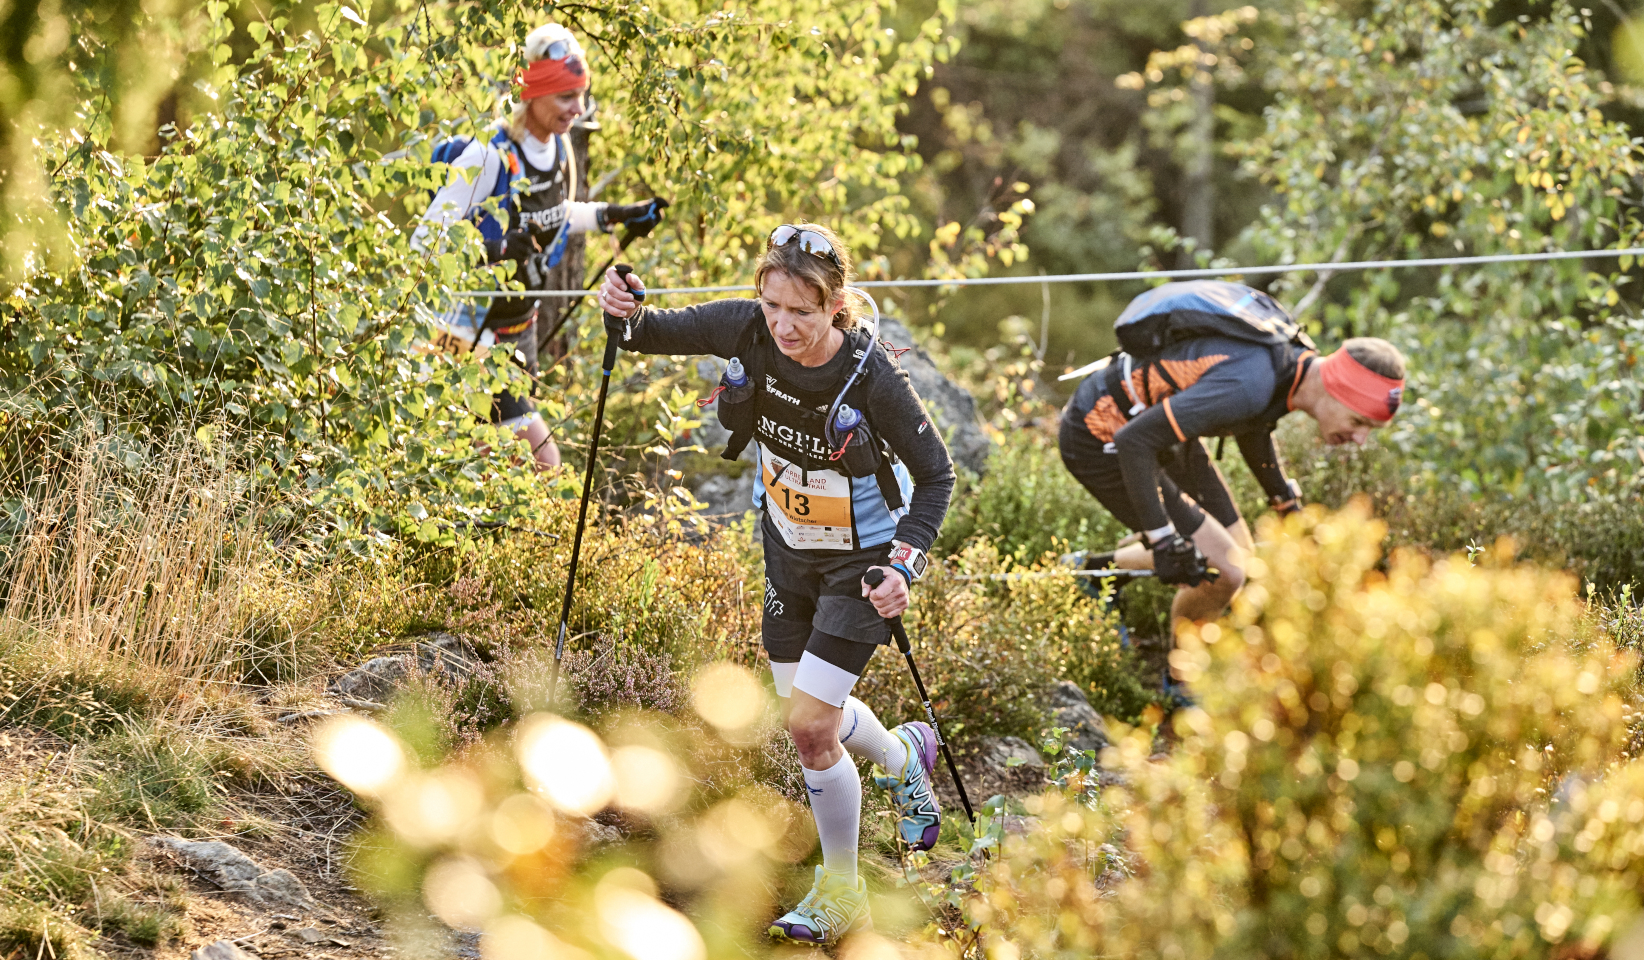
873 578
611 342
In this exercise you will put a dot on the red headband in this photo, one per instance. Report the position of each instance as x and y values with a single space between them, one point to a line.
1359 388
545 77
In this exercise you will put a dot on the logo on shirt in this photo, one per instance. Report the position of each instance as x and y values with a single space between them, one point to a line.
770 388
923 424
797 439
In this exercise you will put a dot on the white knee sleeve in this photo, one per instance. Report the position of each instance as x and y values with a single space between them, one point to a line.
823 680
782 677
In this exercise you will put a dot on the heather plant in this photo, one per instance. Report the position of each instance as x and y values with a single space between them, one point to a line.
1398 757
991 635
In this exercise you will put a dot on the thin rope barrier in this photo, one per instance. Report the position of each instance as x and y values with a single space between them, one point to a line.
1197 274
1115 573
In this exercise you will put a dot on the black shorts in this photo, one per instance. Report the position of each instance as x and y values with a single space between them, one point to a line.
814 603
505 406
1190 484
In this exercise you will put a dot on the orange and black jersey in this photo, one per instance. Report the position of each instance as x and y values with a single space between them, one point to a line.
1202 387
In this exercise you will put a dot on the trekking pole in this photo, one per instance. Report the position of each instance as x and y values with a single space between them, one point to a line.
609 362
874 578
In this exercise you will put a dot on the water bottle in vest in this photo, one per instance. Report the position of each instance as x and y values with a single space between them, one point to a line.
736 390
846 419
857 451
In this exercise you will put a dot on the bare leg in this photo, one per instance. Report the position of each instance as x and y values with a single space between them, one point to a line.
542 445
1225 549
814 726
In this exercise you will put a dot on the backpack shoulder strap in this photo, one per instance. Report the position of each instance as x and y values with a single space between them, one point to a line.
751 351
885 476
512 166
568 157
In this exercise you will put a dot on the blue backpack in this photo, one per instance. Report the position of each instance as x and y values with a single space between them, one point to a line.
1204 308
447 151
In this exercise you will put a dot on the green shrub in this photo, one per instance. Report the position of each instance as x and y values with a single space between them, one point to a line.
1600 539
1027 504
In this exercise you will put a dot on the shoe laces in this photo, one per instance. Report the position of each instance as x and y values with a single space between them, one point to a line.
817 891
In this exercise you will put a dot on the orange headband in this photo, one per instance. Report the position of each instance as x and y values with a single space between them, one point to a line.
545 77
1359 388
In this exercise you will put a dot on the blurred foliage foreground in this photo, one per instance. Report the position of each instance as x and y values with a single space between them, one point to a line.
1394 756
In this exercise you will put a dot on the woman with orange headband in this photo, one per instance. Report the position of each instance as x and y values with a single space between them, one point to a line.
539 215
1229 363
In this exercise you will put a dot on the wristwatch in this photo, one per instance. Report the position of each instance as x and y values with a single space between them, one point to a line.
909 560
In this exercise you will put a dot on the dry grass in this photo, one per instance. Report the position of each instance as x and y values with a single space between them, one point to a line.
153 568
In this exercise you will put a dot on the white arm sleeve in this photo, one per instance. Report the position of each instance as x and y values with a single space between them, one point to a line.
460 196
583 215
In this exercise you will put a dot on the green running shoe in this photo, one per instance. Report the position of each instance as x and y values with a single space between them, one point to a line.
832 909
911 791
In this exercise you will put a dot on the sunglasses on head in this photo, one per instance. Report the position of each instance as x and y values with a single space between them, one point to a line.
809 241
560 49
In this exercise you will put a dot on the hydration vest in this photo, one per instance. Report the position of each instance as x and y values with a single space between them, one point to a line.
537 205
795 421
1202 308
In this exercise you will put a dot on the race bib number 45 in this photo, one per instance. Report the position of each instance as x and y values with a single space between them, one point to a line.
811 511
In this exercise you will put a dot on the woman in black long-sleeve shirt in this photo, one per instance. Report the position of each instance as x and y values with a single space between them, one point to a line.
836 500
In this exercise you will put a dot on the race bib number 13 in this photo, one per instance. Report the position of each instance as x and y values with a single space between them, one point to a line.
810 515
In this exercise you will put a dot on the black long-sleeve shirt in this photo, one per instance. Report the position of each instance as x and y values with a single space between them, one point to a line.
1228 388
894 410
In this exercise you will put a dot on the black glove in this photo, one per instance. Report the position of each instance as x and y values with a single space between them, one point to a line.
1177 560
513 245
535 270
638 216
1283 506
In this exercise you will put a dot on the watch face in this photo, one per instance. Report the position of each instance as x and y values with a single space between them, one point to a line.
909 557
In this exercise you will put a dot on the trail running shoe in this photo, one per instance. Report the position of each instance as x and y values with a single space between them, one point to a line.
911 790
832 909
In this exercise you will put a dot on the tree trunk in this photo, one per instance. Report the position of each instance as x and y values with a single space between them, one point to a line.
1198 189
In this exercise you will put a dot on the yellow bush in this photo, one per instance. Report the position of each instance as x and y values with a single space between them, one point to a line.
1373 771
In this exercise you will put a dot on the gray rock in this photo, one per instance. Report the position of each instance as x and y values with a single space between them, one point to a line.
1069 708
230 869
436 653
221 950
953 408
998 752
726 495
1017 825
596 834
281 886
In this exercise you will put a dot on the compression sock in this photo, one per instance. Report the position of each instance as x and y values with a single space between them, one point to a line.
864 736
836 803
